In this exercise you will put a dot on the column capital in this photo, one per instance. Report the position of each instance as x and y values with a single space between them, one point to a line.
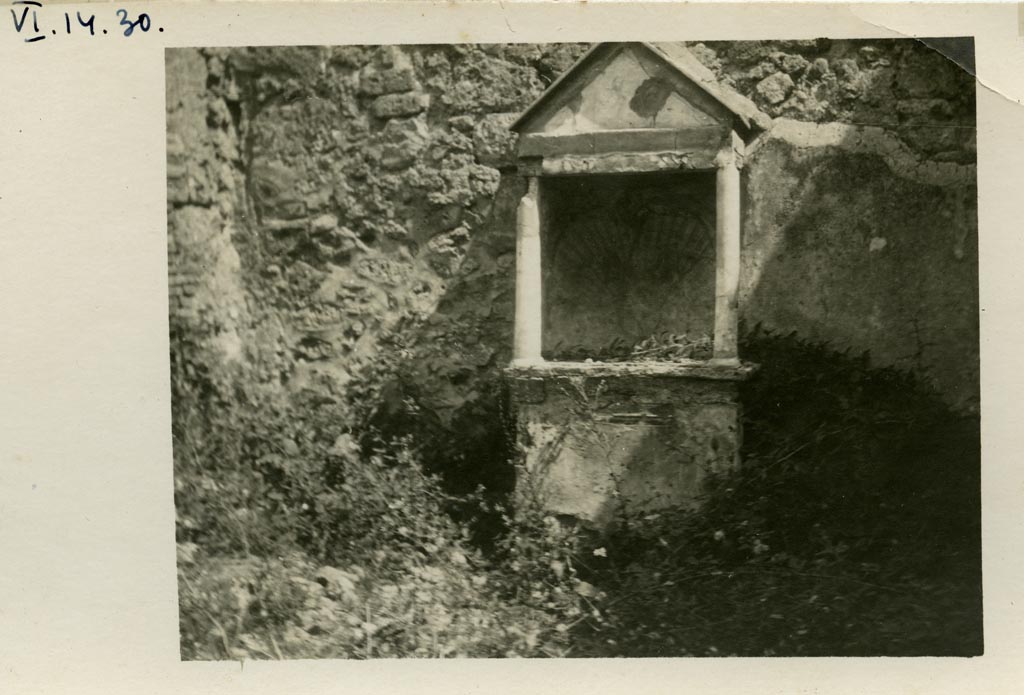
726 157
732 152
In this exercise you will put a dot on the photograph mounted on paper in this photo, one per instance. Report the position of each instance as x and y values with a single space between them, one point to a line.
575 350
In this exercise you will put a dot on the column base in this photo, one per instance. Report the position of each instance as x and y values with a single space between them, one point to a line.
526 362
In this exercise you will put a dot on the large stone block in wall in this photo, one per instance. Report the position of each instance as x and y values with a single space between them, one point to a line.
403 140
395 105
493 142
399 77
274 190
775 88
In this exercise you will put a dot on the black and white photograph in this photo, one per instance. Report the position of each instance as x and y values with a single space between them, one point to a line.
614 349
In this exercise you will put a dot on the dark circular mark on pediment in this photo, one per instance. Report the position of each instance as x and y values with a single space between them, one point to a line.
650 97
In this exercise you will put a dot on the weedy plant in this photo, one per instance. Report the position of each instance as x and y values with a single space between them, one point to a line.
666 347
657 347
853 528
304 532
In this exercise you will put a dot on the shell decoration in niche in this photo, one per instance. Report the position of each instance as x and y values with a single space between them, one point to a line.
641 234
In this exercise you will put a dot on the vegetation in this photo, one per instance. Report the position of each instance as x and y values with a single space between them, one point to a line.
853 528
660 347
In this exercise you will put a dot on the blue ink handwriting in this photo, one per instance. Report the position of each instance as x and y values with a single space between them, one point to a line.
25 15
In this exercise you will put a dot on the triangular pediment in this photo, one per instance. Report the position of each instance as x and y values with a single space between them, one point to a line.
626 86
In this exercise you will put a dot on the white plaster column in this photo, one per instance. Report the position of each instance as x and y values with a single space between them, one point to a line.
727 255
528 319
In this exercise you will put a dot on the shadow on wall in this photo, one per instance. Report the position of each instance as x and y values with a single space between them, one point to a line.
448 393
841 248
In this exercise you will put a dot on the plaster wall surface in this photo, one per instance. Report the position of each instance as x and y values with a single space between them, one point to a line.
837 248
